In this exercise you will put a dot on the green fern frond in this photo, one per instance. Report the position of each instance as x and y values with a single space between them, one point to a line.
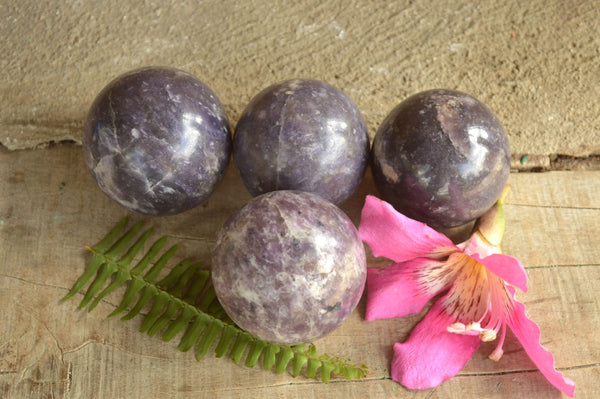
184 301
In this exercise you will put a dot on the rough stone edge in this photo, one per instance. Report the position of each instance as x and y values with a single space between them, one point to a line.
545 163
36 137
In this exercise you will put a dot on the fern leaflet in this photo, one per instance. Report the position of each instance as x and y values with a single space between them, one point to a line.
185 301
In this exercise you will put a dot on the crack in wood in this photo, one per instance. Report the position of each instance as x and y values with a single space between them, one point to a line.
34 282
119 348
579 265
53 286
590 208
519 371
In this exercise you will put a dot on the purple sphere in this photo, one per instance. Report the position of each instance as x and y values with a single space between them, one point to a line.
157 141
302 135
289 267
441 157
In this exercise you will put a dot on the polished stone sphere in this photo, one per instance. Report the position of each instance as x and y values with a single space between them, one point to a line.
157 141
441 157
289 267
302 135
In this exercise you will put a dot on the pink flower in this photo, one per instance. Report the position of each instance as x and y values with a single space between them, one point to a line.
478 301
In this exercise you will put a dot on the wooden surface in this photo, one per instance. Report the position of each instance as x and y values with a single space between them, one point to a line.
50 209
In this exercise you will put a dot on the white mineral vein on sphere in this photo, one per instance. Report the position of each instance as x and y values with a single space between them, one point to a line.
105 171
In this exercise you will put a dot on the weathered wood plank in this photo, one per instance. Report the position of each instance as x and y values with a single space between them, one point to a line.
50 208
550 236
557 189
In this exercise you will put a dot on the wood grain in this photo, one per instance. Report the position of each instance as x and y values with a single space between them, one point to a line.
50 209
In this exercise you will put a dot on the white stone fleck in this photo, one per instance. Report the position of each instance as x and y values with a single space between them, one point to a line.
388 171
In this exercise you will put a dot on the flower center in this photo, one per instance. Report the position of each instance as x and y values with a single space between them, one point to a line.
477 302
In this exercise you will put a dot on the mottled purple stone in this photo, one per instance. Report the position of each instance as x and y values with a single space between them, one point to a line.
302 135
289 267
157 141
441 157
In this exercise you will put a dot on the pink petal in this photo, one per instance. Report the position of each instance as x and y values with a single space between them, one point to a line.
432 355
395 291
507 268
528 333
395 236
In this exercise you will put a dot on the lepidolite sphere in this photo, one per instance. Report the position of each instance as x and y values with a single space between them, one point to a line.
289 267
441 157
157 141
302 135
